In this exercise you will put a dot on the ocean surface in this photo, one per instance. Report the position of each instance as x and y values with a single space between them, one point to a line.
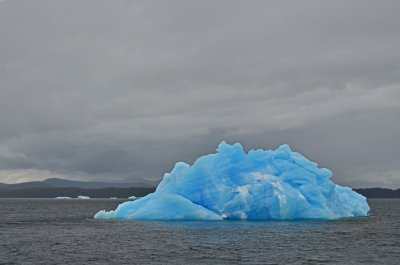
49 231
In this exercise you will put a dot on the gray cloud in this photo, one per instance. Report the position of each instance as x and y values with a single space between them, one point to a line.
121 90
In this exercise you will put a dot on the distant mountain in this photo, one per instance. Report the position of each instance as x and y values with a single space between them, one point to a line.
75 192
54 187
64 183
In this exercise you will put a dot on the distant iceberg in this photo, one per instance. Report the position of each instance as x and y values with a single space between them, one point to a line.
62 198
80 197
132 197
232 184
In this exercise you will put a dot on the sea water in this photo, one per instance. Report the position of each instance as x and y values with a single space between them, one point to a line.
48 231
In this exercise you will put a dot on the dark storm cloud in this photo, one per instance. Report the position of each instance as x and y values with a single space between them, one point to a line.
120 90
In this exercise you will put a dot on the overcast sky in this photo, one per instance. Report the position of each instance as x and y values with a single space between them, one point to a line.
121 90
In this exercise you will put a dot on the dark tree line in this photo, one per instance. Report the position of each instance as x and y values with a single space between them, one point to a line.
379 193
140 192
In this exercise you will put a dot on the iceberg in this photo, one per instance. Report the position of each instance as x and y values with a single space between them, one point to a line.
234 185
62 198
132 197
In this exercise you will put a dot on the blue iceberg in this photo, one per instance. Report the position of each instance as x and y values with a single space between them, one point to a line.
232 184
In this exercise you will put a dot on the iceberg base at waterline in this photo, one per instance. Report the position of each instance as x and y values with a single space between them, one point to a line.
232 184
160 207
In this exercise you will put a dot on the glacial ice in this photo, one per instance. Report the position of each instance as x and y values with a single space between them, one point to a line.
81 197
232 184
62 198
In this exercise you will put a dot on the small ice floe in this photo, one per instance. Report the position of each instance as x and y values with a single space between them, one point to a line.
132 198
81 197
62 198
